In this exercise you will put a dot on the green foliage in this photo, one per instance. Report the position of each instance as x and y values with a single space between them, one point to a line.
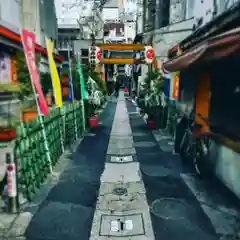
76 84
46 82
76 79
24 80
151 90
98 79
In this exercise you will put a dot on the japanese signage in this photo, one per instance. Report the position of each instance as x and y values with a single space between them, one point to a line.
54 74
11 180
28 41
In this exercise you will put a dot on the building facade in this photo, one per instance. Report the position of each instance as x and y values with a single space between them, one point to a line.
31 16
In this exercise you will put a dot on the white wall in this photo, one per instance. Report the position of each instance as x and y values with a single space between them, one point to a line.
205 9
130 30
10 14
31 19
110 14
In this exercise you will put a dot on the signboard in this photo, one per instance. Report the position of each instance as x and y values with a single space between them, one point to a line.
28 41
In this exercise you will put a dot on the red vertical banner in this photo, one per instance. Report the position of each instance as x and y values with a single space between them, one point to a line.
28 41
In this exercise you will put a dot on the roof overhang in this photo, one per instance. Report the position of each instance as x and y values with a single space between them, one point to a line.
211 49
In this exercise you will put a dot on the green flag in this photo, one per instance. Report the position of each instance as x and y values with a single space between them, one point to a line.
82 83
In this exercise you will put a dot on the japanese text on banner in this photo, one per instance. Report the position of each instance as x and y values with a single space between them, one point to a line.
28 41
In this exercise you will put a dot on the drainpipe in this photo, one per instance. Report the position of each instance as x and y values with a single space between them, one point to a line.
215 8
157 13
144 15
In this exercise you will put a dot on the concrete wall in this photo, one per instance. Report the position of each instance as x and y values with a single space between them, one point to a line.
31 18
81 44
227 167
169 36
10 14
177 11
110 14
48 19
130 30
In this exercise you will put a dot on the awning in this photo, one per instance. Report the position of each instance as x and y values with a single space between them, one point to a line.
212 49
9 43
16 38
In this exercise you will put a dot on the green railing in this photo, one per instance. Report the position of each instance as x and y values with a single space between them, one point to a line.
34 156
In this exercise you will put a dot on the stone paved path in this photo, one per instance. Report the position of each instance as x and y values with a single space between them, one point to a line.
122 208
123 182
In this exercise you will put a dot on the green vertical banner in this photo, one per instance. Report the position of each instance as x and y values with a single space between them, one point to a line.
83 90
82 83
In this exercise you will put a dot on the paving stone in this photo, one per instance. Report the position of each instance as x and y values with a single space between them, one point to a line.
121 137
121 143
127 172
121 159
121 151
132 187
123 203
146 222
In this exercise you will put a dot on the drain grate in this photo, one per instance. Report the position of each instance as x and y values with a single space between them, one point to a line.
121 159
119 191
122 225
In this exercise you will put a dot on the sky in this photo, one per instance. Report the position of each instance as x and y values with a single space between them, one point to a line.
70 10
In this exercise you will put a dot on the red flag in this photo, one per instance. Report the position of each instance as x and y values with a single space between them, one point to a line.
28 41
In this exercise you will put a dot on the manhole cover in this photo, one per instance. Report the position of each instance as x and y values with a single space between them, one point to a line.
119 191
122 225
122 159
170 208
156 171
145 144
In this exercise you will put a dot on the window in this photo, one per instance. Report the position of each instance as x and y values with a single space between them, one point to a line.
225 97
85 52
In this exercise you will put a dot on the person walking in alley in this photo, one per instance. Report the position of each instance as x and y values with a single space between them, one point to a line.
117 87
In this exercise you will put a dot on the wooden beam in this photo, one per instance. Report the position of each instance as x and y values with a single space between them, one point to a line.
121 47
121 61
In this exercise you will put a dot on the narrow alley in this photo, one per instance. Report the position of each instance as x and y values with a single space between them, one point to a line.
120 184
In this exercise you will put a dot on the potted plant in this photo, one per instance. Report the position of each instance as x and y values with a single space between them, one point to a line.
8 122
149 99
29 110
10 111
7 133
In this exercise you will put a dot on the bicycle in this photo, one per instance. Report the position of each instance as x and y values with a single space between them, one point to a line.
196 146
